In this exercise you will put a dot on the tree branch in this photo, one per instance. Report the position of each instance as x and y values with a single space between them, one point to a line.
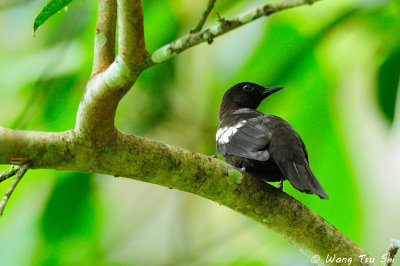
104 40
12 187
166 52
204 16
9 173
392 251
161 164
131 45
39 148
95 118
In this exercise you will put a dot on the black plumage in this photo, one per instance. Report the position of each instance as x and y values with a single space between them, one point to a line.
261 144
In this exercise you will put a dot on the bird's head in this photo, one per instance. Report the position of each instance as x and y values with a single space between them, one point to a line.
245 95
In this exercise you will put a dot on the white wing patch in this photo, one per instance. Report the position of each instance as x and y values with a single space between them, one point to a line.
223 134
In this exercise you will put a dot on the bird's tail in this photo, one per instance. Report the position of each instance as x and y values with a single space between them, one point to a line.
302 178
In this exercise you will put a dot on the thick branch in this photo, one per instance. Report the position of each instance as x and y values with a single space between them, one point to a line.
104 40
39 148
204 16
166 52
131 45
157 163
95 118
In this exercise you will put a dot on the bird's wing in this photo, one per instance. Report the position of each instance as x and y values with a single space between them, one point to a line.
289 153
247 138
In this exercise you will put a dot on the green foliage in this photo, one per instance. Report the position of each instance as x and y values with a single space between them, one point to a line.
65 209
388 77
68 218
51 8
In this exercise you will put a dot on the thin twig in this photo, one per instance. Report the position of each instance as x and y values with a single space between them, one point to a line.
392 251
225 25
12 187
9 173
104 41
204 16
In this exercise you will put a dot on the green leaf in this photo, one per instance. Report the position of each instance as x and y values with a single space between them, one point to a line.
388 82
64 214
52 7
69 222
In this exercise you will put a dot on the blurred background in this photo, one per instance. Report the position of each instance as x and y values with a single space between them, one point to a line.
339 62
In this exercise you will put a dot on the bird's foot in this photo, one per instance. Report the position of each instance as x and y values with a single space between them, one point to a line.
280 185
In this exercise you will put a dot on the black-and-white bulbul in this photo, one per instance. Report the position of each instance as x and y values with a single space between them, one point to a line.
263 145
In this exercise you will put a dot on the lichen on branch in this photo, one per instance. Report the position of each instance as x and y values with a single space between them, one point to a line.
225 25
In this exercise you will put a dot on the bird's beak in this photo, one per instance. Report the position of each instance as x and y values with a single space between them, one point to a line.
269 91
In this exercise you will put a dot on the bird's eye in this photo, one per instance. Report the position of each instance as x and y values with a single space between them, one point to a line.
248 87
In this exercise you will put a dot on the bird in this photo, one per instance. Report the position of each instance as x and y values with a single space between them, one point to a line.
263 145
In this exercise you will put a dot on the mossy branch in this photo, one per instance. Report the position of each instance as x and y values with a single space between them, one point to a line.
157 163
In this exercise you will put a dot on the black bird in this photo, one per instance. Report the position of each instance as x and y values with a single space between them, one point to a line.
261 144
